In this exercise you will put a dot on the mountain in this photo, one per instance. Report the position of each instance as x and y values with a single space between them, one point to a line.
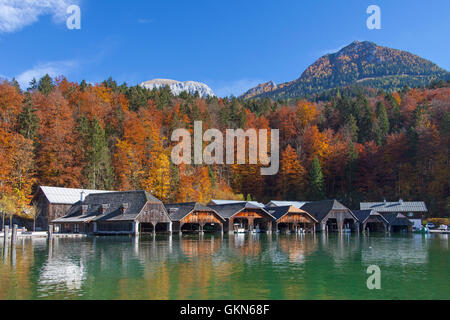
177 87
260 89
363 63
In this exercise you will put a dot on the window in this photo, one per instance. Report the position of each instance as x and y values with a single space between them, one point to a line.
76 228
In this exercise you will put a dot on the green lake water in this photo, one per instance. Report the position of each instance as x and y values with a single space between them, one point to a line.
227 267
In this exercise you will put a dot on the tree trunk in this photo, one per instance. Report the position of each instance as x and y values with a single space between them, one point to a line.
10 221
3 221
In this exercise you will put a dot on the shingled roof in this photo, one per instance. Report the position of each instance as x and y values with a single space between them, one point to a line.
397 219
177 211
280 203
58 195
362 215
227 211
221 202
320 209
399 206
280 212
114 201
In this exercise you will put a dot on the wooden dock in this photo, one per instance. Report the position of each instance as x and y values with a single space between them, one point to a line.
69 235
440 231
44 234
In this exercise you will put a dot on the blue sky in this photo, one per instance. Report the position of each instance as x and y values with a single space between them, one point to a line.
229 45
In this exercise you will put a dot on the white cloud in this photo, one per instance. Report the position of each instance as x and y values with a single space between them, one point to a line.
236 87
53 69
16 14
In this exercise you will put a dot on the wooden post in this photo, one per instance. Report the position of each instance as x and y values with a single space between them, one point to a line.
181 226
14 236
5 235
340 226
50 231
13 253
230 225
137 228
5 254
250 224
5 243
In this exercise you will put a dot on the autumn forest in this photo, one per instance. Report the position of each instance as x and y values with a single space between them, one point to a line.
354 146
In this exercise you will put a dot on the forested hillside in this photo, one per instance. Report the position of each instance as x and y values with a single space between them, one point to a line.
363 63
105 136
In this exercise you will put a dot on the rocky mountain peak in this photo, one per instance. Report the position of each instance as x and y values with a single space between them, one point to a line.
177 87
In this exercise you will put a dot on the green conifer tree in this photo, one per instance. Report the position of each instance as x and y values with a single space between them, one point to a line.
316 182
383 126
99 169
46 85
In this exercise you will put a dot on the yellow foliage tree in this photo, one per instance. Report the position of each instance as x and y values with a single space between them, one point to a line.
291 177
306 113
158 178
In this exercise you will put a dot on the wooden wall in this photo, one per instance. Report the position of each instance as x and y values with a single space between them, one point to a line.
202 217
296 217
49 211
154 213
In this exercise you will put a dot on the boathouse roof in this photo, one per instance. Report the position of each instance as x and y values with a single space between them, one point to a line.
177 211
363 215
279 203
280 212
226 211
397 219
320 209
399 206
220 202
58 195
116 206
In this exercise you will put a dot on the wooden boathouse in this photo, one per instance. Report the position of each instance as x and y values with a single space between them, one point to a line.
194 217
244 216
372 221
398 222
129 212
332 216
291 219
54 202
414 210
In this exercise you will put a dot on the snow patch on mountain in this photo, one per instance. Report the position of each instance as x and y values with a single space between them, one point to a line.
177 87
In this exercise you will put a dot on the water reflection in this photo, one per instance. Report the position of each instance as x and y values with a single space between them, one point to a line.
298 247
242 266
62 271
341 247
396 250
443 240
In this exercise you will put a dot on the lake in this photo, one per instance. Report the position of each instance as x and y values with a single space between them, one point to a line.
226 266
